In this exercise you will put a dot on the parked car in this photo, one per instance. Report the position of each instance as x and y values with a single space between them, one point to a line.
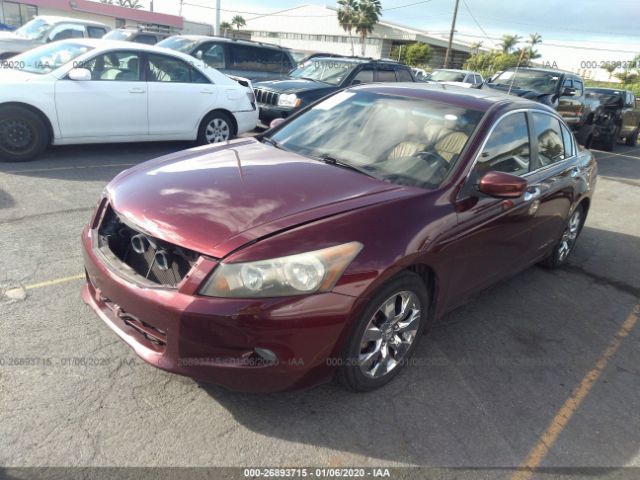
99 91
461 78
45 29
330 243
563 91
253 60
320 77
420 74
138 35
620 117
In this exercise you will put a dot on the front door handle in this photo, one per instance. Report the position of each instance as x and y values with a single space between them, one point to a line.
574 172
208 92
137 90
533 193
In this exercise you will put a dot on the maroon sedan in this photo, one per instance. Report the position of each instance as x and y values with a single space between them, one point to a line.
330 243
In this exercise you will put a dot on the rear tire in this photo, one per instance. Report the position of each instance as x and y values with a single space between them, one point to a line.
216 127
382 343
632 140
564 247
23 134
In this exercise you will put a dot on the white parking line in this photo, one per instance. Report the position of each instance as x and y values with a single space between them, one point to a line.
72 167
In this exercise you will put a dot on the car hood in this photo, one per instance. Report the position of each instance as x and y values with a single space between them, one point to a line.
215 199
294 85
12 42
545 98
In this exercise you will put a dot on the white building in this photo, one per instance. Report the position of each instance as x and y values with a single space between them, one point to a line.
14 13
313 28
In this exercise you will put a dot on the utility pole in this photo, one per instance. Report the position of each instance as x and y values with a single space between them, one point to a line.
180 9
453 29
217 29
151 6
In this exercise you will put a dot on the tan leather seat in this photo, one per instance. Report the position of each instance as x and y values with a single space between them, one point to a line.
451 145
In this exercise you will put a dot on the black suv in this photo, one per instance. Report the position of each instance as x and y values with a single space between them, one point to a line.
137 35
319 77
563 91
253 60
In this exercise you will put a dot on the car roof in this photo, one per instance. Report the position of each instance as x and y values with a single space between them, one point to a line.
360 60
102 44
471 98
51 19
452 70
203 38
542 69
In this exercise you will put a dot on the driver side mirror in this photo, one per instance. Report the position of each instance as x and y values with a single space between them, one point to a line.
80 75
502 185
568 92
199 54
356 82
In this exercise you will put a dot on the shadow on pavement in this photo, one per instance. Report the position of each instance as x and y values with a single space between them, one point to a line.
488 380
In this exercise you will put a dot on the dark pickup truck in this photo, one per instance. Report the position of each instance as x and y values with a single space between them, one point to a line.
563 91
319 77
619 119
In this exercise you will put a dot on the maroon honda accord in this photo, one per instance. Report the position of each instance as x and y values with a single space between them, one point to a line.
326 246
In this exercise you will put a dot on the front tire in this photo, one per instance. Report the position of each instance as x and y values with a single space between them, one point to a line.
23 134
386 335
632 139
216 127
563 249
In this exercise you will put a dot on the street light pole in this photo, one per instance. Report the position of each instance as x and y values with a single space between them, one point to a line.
453 28
217 29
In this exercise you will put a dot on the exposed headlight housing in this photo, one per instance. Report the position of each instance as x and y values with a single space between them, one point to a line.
289 100
300 274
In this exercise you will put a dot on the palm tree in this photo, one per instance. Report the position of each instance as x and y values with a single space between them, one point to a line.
535 39
475 47
238 21
509 42
225 27
346 17
366 17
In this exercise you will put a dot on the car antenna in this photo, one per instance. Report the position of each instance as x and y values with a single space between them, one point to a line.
516 71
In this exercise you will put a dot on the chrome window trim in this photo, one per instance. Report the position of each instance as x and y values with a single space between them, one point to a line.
495 124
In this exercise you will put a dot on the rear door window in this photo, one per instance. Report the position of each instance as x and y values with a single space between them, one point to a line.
403 75
213 54
387 76
163 68
96 32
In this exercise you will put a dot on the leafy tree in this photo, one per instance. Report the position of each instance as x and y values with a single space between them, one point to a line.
399 53
367 15
225 27
238 21
509 42
475 47
627 77
418 54
346 17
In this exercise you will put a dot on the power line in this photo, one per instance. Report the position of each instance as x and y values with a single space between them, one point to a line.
477 23
404 6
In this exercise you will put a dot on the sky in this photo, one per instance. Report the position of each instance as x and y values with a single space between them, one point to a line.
573 32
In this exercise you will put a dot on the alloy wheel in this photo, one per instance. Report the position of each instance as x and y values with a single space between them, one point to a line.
569 236
389 334
217 130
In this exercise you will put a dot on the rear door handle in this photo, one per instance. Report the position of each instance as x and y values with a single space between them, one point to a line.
137 90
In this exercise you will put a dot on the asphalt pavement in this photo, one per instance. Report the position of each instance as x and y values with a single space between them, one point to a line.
541 371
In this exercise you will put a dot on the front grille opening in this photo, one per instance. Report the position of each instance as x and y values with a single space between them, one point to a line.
153 259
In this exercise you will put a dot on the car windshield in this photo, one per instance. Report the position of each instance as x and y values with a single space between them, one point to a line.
328 71
536 80
33 30
395 139
447 76
118 35
49 57
183 45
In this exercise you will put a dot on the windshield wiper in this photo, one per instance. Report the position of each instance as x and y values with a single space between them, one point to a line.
272 142
326 158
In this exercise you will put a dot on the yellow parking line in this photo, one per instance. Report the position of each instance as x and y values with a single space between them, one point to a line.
562 418
19 292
